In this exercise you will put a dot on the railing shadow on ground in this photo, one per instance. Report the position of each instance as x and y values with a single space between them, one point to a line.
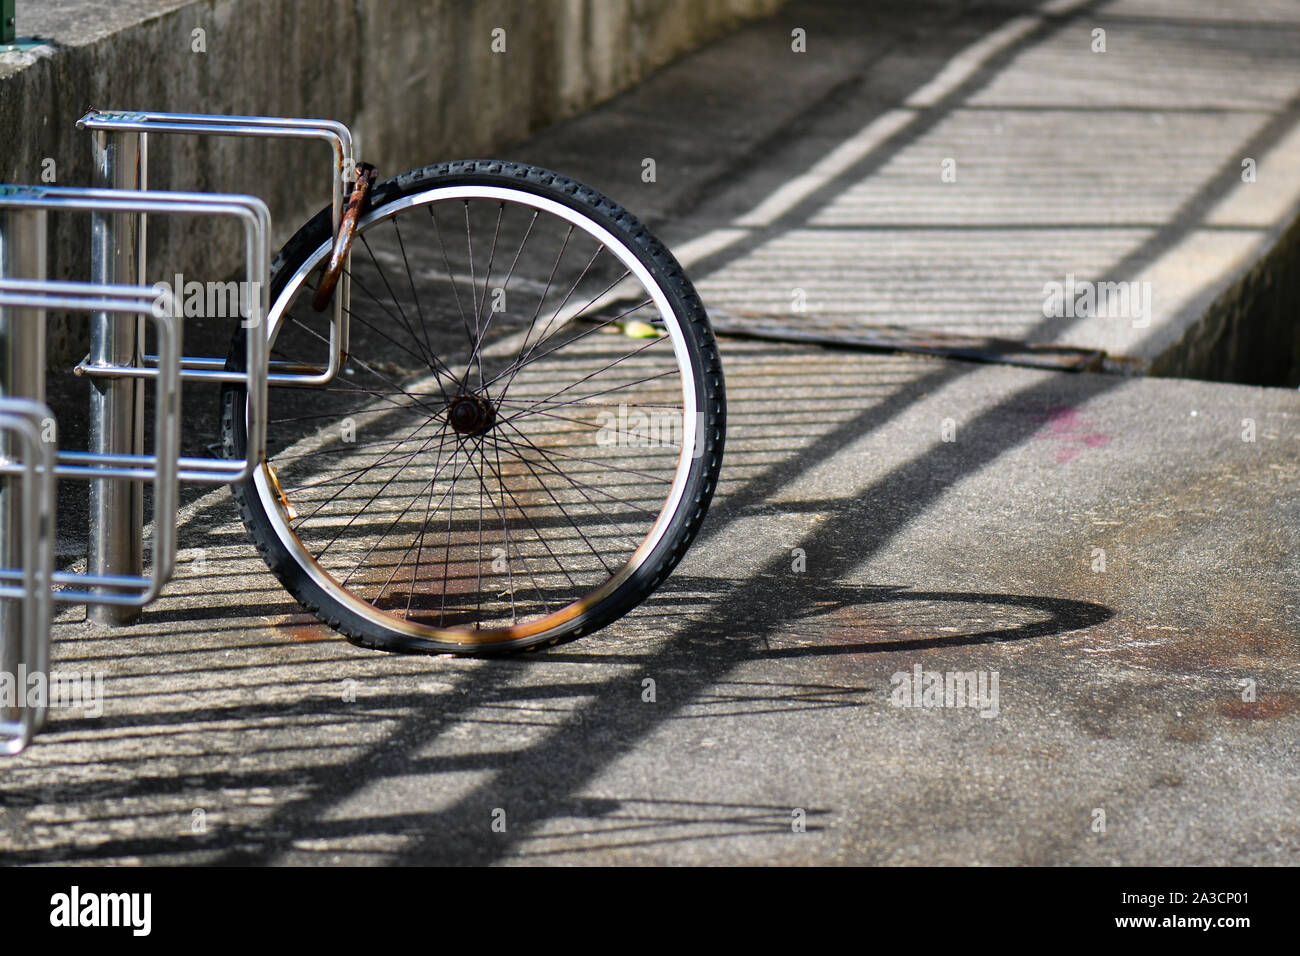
333 782
700 689
711 650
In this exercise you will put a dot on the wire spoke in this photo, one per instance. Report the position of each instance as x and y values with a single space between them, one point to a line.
430 484
410 278
603 391
603 463
383 378
580 486
451 276
502 447
504 288
596 327
356 471
401 312
338 534
431 361
492 258
545 292
540 537
560 308
545 453
418 495
576 527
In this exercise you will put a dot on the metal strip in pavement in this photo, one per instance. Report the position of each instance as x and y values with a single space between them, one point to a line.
821 330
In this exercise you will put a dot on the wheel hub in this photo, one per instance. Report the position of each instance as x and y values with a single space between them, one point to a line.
471 414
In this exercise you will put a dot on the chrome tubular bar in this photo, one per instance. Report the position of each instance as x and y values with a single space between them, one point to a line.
27 649
118 241
162 467
256 219
118 301
331 131
23 235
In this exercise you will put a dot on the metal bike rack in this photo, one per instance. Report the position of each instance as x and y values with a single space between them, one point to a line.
126 127
119 302
22 230
256 220
121 160
22 388
161 467
24 642
26 567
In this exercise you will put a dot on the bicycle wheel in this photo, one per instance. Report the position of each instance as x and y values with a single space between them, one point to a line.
526 433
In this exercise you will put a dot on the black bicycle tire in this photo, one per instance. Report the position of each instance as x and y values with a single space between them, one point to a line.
706 369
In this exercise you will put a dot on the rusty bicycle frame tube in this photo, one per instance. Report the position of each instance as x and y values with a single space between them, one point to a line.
343 241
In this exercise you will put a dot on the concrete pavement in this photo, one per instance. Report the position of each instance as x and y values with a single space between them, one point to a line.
1120 551
937 168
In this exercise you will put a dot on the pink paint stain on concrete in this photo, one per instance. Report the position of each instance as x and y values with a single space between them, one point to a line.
1066 426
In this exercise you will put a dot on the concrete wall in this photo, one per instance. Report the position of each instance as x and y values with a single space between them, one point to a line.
1251 332
417 81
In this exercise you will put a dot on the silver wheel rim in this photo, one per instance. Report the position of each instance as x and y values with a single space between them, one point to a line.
540 628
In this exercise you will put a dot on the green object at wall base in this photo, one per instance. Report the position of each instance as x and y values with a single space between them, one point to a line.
9 40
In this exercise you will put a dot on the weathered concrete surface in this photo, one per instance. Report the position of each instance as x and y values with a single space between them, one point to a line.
417 82
1250 332
1119 673
1124 166
1118 688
